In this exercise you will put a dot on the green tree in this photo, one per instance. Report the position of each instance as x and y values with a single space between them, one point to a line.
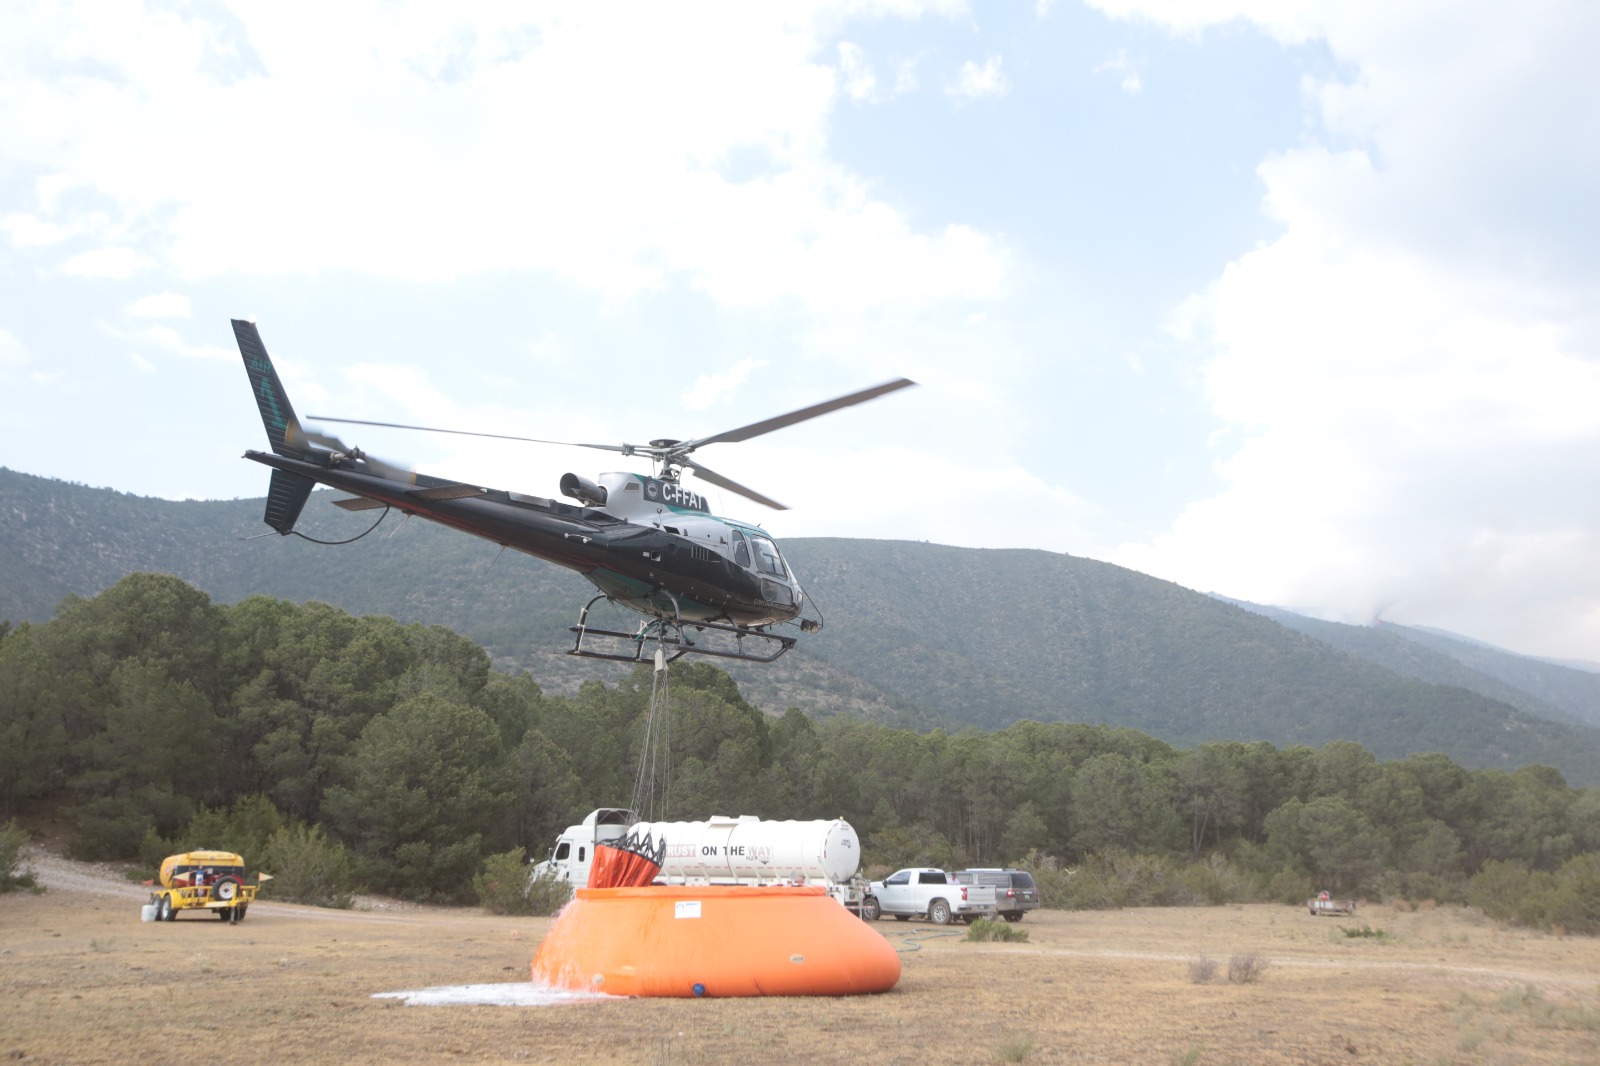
1211 791
1119 804
1329 839
33 738
425 780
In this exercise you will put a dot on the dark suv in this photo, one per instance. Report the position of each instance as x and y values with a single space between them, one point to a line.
1014 891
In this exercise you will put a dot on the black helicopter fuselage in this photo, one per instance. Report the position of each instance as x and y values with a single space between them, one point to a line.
678 566
646 543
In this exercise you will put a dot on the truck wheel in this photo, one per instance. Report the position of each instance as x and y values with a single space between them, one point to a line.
870 911
939 912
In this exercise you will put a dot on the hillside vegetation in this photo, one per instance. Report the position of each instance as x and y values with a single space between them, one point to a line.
917 635
151 719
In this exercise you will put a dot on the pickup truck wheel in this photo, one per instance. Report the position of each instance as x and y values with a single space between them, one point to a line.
939 912
870 911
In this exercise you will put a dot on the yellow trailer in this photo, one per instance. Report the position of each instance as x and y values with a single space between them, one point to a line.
203 880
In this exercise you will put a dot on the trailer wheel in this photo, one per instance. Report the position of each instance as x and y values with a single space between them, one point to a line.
870 911
238 912
224 913
164 911
939 912
226 890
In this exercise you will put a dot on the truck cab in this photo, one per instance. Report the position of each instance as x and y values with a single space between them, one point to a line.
573 853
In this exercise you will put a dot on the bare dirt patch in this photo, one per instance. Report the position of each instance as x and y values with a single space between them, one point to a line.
82 980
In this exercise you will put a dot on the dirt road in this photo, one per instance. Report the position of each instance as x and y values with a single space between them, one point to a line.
82 980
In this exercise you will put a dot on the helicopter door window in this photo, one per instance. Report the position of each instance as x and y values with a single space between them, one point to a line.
741 553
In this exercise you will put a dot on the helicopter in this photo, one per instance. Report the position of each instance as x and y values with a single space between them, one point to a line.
705 584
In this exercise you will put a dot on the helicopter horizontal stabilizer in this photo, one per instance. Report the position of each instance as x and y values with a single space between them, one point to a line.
286 496
359 503
446 492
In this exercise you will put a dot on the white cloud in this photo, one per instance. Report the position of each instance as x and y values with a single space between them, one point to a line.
855 71
426 153
974 82
1127 72
1409 376
1291 21
710 389
160 305
118 264
12 351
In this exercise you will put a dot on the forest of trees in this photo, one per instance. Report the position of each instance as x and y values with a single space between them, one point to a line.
149 715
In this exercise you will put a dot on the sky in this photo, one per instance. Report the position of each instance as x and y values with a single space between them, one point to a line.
1288 300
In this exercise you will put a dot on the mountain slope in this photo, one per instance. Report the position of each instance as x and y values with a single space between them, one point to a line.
917 634
1573 696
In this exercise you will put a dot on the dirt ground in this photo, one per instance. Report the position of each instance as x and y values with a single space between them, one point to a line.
83 980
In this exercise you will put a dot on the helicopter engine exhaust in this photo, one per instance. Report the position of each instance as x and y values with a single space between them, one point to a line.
583 490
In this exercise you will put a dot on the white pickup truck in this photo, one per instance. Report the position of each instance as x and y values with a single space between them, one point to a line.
927 892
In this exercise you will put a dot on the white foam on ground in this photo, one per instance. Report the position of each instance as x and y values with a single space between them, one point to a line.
515 994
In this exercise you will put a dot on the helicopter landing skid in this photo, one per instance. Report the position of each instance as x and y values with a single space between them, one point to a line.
674 641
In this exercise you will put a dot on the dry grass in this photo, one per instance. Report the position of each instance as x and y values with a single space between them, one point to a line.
82 980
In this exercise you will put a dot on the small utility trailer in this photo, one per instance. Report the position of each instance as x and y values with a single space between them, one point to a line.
1322 903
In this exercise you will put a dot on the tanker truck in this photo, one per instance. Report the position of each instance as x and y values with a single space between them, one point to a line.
742 850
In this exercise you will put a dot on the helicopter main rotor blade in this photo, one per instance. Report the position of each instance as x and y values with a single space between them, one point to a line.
705 474
756 429
623 448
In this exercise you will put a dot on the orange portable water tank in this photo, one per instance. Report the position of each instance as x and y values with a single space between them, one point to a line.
713 940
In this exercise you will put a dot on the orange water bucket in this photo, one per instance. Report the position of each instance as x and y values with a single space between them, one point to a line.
714 940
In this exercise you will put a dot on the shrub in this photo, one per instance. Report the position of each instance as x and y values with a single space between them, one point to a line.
1290 886
1246 969
307 868
1362 932
1499 889
1202 969
546 892
1051 877
1215 881
502 884
990 929
1015 1048
13 874
107 827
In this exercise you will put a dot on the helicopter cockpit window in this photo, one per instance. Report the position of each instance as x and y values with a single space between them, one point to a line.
741 554
768 561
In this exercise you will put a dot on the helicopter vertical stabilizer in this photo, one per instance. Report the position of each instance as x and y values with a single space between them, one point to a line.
283 429
288 492
285 498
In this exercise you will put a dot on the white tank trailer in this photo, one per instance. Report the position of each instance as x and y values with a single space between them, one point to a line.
722 850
